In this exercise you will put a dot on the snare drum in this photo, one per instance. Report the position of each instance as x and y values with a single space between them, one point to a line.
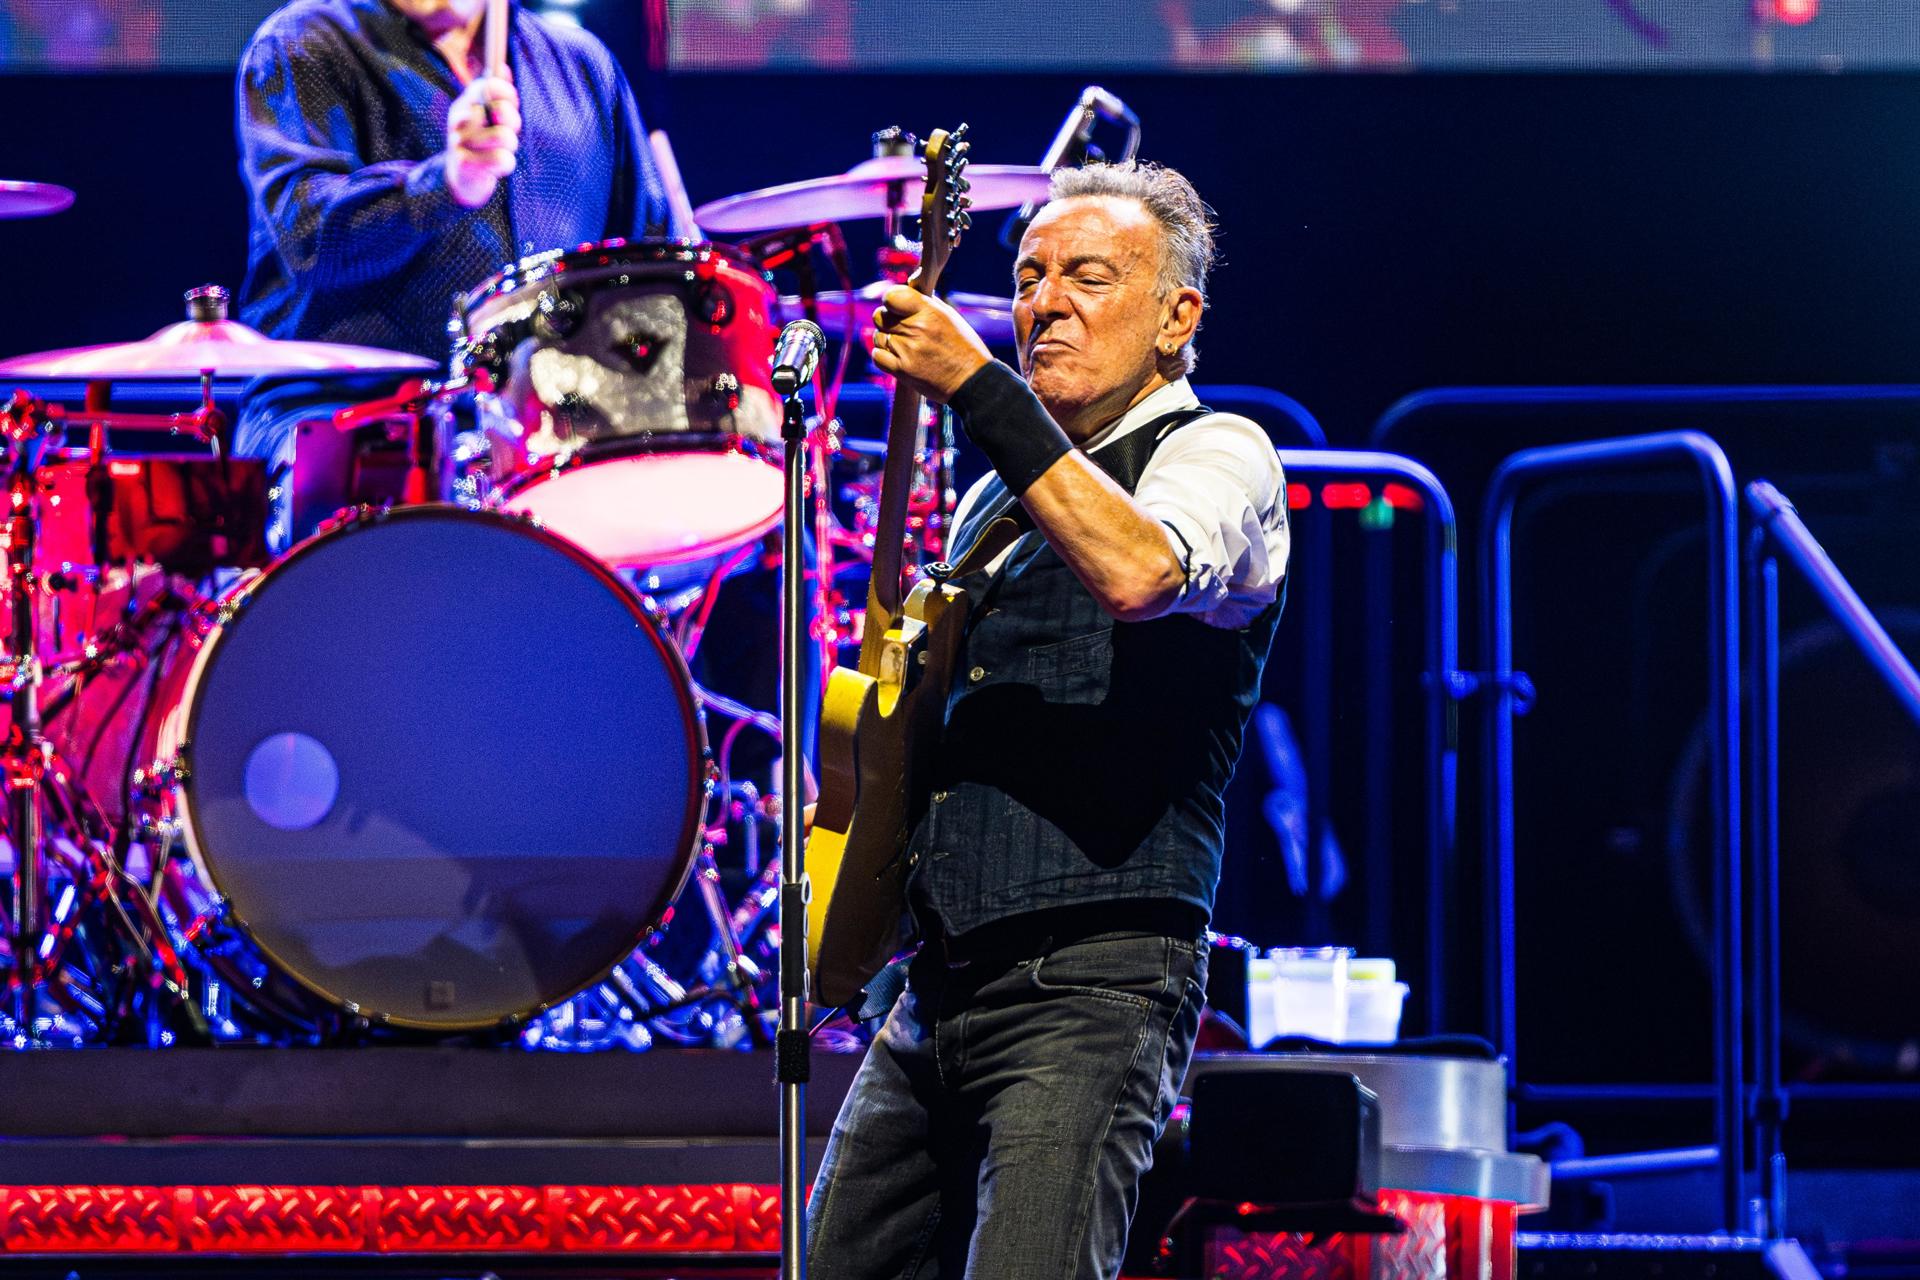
632 403
437 766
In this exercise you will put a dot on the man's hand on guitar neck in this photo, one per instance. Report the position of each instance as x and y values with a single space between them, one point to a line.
925 344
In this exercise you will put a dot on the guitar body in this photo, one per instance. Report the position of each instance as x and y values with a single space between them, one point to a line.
877 736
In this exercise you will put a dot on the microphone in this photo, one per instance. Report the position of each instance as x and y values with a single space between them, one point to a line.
1070 146
796 355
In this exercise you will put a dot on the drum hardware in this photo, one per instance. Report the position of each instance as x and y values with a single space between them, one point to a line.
651 1003
40 802
205 423
1073 145
407 409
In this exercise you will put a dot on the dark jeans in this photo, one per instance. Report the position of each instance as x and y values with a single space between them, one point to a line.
1001 1122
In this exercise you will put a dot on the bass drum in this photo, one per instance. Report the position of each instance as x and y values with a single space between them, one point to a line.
437 766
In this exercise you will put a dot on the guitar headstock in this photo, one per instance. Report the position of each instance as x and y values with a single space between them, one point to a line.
945 209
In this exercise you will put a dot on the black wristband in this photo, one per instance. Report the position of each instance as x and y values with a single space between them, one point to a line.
1001 414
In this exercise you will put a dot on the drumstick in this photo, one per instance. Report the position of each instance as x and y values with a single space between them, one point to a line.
497 39
679 209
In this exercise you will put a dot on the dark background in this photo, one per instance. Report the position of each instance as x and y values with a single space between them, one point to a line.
1380 234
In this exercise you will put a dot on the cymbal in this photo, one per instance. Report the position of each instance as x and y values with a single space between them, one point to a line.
873 189
990 317
209 342
32 199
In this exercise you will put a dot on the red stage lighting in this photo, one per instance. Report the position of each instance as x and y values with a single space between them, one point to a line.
1794 13
1345 497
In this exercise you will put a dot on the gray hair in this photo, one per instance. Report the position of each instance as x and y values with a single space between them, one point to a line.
1186 223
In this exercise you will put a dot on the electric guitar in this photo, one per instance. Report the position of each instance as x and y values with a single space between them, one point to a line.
879 721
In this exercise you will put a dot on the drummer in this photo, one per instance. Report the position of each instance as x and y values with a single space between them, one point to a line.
387 173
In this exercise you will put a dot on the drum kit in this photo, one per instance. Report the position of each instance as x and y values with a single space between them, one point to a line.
443 767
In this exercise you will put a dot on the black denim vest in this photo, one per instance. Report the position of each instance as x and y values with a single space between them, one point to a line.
1083 759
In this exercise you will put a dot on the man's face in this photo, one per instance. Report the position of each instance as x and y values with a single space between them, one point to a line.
1086 310
437 16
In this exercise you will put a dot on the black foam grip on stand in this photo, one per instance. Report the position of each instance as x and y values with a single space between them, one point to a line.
793 1061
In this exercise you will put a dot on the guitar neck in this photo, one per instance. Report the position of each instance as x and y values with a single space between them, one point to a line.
943 216
884 596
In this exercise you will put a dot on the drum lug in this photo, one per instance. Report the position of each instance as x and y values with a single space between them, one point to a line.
559 313
156 780
724 391
713 304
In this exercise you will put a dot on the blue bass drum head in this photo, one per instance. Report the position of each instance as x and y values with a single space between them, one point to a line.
443 768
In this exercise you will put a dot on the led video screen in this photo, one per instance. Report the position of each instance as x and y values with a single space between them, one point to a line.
1298 35
1084 35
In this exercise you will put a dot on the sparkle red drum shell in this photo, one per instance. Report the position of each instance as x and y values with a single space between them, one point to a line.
631 400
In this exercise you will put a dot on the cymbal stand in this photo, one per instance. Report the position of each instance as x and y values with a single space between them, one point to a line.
25 756
206 422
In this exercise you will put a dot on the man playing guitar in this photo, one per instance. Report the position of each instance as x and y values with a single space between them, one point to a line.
1063 873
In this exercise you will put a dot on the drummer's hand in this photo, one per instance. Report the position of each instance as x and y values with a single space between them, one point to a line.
924 342
480 154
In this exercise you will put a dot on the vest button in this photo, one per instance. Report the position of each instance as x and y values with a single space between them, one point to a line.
939 797
976 675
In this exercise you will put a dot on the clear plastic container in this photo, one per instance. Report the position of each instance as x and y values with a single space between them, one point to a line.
1374 1002
1324 993
1309 991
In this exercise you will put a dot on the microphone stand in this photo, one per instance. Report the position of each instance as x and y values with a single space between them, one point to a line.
793 1063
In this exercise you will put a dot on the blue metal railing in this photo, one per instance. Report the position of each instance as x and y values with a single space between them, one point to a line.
1441 683
1411 407
1779 534
1289 423
1506 690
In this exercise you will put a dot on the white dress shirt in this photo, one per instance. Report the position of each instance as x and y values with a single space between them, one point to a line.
1217 487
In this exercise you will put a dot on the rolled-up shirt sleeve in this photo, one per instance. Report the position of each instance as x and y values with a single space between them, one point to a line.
1218 488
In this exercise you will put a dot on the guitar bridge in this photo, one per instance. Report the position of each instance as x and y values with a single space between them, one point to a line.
900 664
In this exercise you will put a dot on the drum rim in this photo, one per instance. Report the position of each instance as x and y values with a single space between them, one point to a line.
539 268
641 445
693 724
